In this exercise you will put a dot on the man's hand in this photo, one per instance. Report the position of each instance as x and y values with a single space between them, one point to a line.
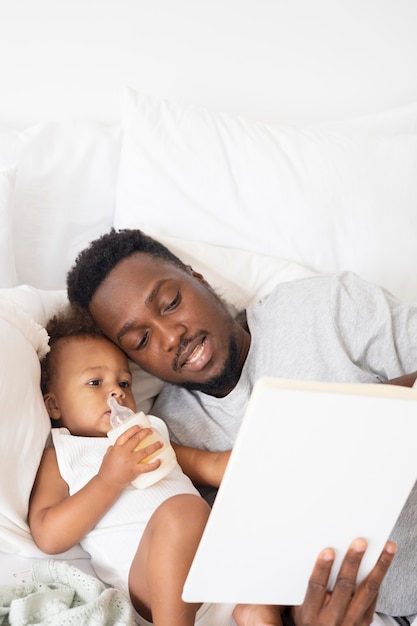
347 604
407 380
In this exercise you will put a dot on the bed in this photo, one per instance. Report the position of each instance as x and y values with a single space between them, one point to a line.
263 141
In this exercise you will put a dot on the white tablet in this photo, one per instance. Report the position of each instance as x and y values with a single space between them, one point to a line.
314 465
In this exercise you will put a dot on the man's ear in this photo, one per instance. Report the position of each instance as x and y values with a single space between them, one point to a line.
52 407
197 275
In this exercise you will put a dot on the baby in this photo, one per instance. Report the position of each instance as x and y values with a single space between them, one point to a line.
142 540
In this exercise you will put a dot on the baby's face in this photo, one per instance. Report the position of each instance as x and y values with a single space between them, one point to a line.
89 370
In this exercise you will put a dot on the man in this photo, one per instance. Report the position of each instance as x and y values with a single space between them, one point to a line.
167 319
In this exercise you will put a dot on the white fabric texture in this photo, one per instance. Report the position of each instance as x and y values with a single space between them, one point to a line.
8 277
309 195
38 304
64 196
397 121
62 595
10 143
24 425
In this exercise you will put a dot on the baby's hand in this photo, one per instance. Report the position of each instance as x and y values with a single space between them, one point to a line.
123 461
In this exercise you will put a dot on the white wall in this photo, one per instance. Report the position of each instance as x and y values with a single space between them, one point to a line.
294 60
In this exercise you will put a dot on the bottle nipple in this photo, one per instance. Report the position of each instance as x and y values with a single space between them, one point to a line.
119 413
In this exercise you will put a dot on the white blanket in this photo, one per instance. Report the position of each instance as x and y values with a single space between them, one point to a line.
61 594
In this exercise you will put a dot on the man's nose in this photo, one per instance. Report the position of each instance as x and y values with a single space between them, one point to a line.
171 334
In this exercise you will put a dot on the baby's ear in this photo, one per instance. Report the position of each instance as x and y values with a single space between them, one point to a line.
52 407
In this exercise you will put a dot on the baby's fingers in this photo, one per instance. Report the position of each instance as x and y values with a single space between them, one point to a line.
145 458
150 466
145 453
135 434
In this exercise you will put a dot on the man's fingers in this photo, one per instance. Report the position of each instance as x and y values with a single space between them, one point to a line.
346 578
318 581
362 605
357 604
368 589
348 603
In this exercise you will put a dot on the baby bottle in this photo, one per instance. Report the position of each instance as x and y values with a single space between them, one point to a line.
122 418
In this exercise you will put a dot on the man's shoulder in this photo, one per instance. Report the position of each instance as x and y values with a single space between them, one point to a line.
292 301
318 281
294 287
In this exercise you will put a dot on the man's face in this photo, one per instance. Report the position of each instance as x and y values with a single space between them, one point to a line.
171 323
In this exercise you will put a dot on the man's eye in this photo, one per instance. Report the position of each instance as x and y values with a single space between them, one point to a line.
142 343
94 383
175 302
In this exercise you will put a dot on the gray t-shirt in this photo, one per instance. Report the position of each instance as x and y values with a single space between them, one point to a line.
324 328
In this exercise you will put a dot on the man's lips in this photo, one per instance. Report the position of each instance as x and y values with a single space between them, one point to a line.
194 354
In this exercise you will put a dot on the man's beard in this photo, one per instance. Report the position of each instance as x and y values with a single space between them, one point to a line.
226 380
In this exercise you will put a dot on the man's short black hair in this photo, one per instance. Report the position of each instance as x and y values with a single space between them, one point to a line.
95 262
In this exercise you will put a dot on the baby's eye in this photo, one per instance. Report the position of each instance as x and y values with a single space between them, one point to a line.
124 384
94 383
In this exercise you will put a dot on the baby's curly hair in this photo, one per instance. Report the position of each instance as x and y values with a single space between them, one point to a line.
95 262
73 321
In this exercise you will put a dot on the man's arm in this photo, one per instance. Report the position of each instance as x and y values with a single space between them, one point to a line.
205 468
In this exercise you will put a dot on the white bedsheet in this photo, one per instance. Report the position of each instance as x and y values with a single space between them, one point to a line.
15 568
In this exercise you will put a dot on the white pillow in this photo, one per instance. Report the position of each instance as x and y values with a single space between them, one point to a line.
41 304
10 144
8 276
64 196
238 276
24 422
24 426
397 121
329 199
